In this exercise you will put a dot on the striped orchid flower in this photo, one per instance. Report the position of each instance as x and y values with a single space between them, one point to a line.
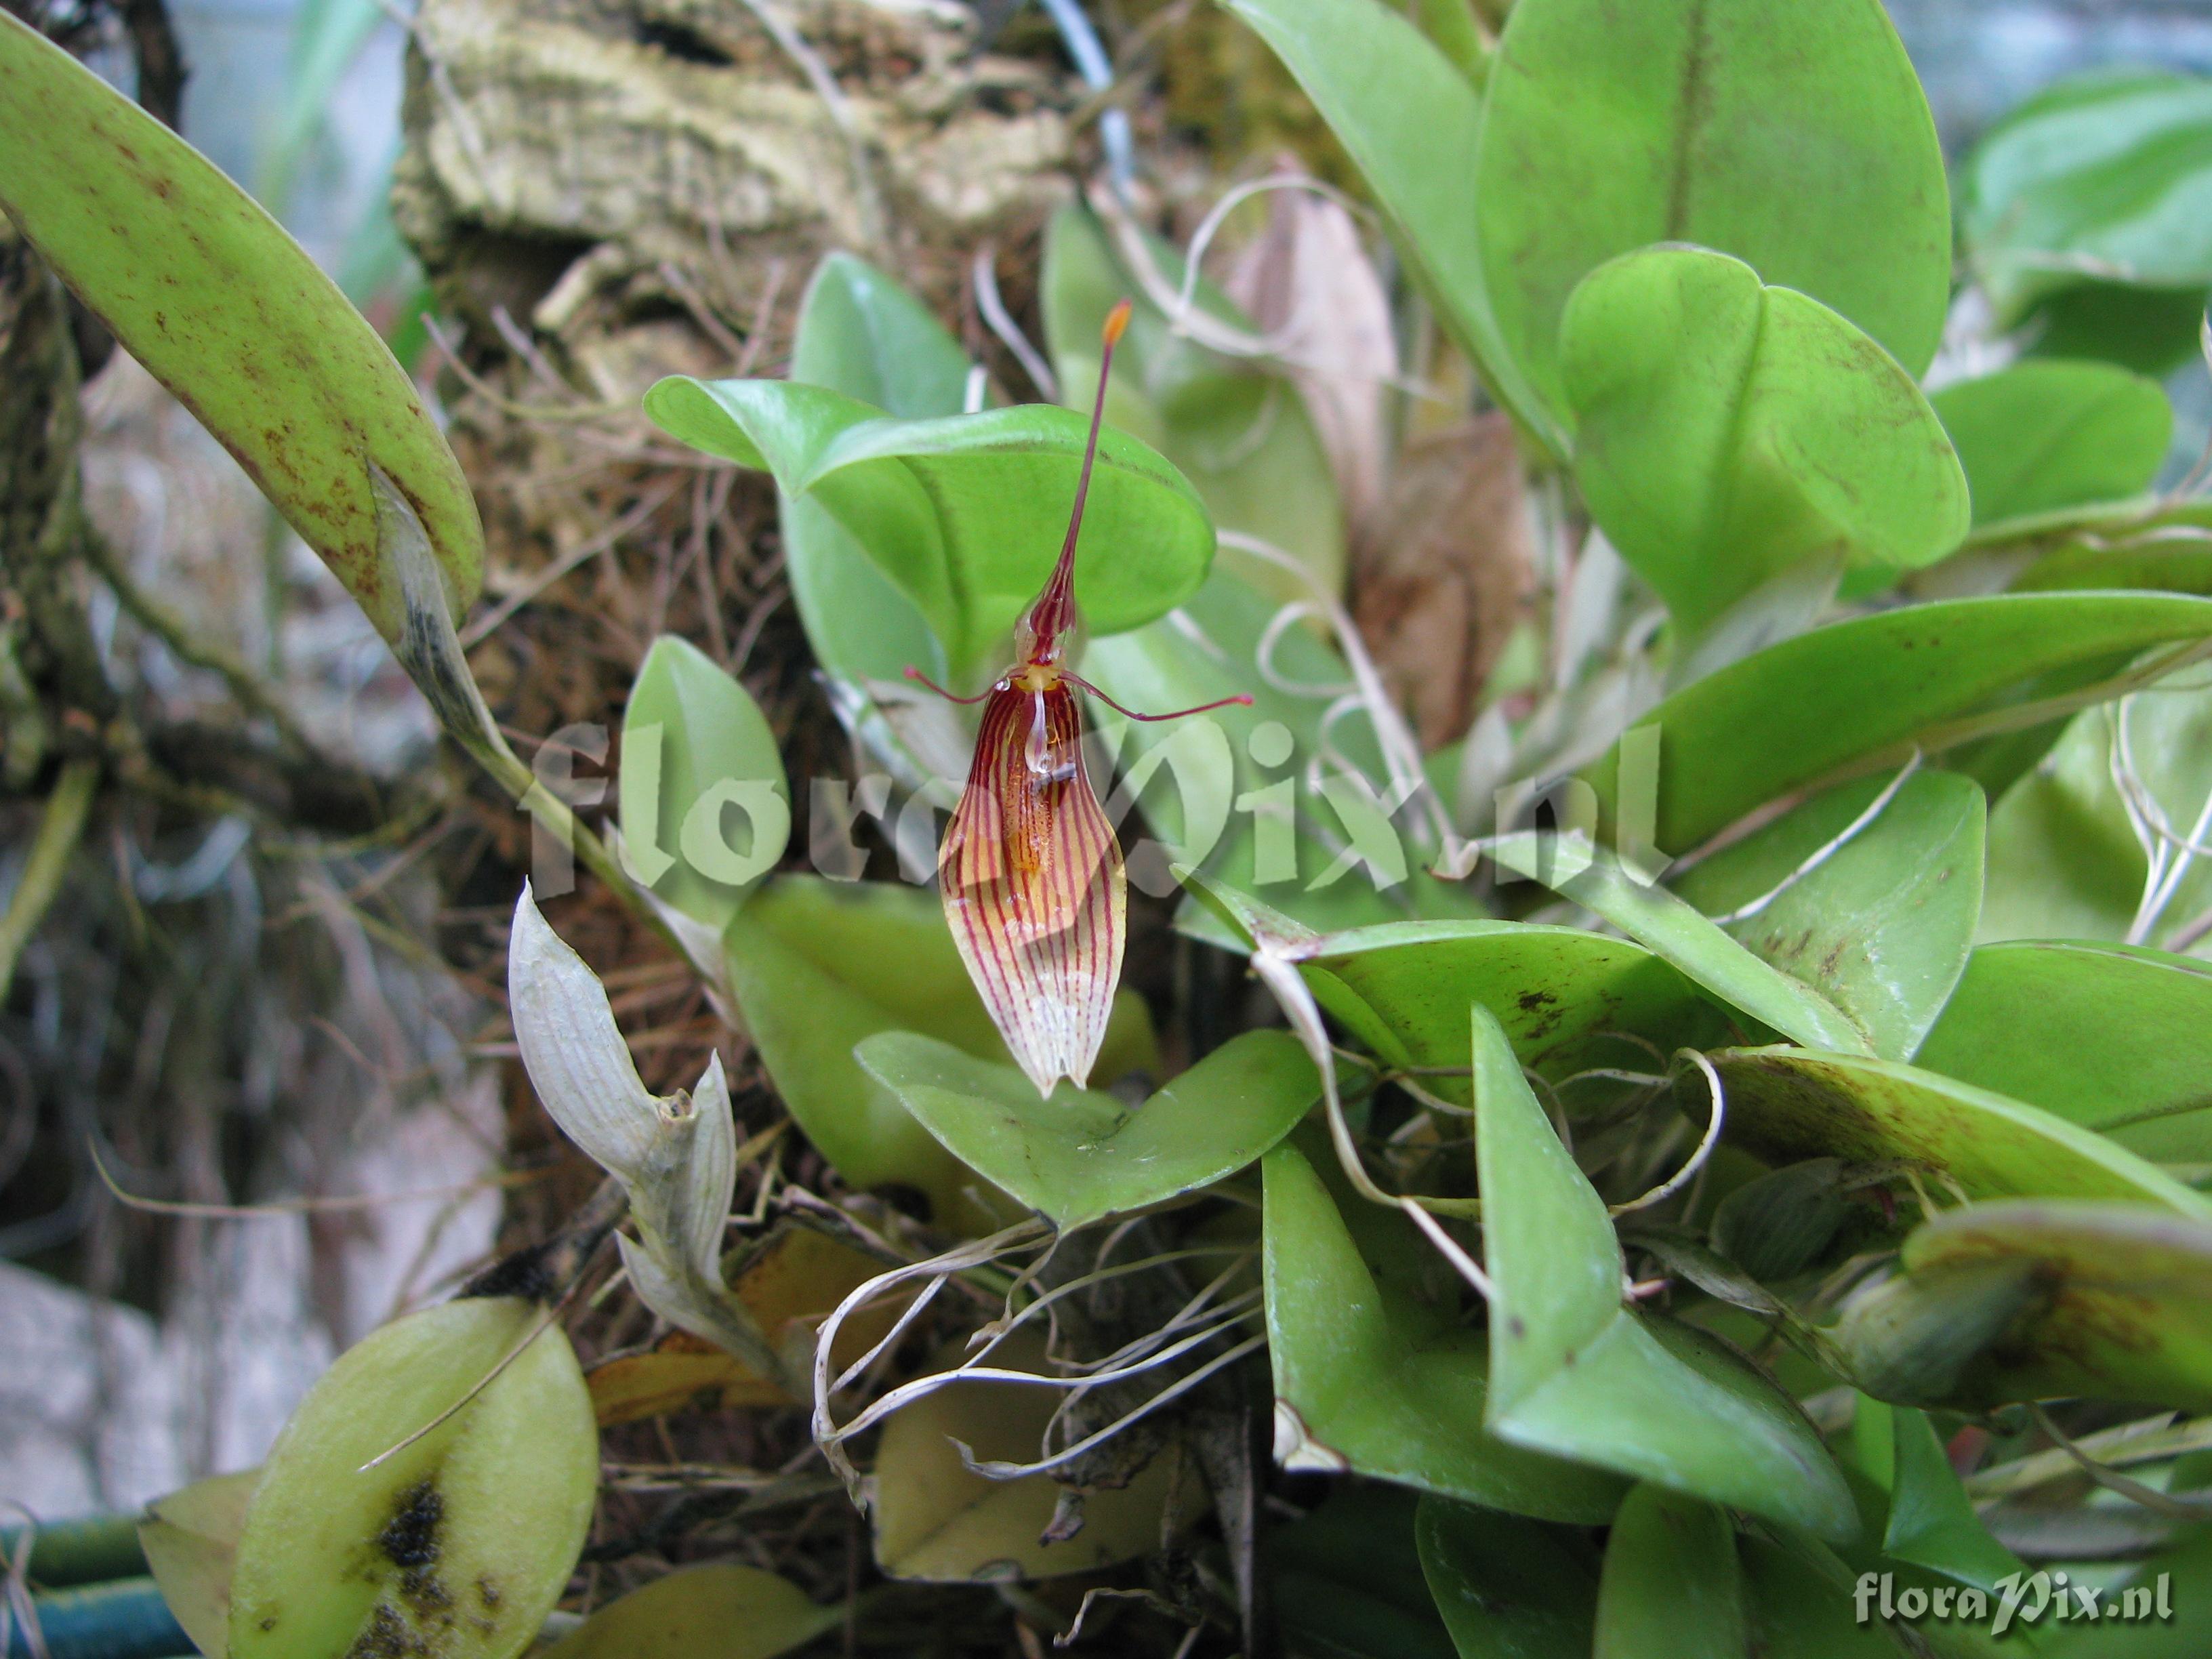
1032 876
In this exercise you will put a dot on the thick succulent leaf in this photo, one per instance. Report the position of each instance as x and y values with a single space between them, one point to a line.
1409 120
2064 860
1237 428
1671 1588
1077 1155
1560 993
1506 1590
1932 1522
2162 549
1873 686
1372 1377
861 334
225 310
964 513
2046 434
1034 887
1728 432
1554 1265
2120 1302
1279 845
717 1611
2148 330
191 1540
2115 1039
935 1520
2105 176
1777 1223
462 1541
1883 926
1574 1373
818 965
694 745
1345 1580
1674 930
1797 1608
2185 1563
1787 1103
1753 129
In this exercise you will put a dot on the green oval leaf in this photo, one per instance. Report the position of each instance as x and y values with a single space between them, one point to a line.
1506 1590
965 513
938 1521
1573 1372
191 1540
1345 1580
2122 1302
1674 931
1727 431
2162 551
818 965
2115 1039
1793 138
1238 430
1795 712
2106 176
861 334
1882 928
1800 1603
1080 1154
1932 1522
718 1612
461 1542
1785 1103
1671 1588
225 310
1777 1224
2046 434
1403 989
695 744
1373 1376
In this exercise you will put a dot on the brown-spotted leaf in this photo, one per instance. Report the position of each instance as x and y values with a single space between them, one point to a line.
227 311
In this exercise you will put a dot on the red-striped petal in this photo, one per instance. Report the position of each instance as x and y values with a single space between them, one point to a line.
1033 885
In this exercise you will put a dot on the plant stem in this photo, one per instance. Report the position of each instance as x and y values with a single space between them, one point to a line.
59 829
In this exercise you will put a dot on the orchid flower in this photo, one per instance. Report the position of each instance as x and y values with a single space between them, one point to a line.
1032 876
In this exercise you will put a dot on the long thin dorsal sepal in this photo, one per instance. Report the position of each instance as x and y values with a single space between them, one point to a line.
1054 612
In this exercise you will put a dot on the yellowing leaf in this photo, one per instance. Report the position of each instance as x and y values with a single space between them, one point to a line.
190 1540
458 1544
935 1520
790 1283
719 1612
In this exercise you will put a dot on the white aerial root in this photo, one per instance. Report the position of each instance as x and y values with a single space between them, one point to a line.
1402 751
1681 1177
1134 1358
2167 853
1850 832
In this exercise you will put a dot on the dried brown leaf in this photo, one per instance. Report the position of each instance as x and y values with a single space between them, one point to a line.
1441 583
